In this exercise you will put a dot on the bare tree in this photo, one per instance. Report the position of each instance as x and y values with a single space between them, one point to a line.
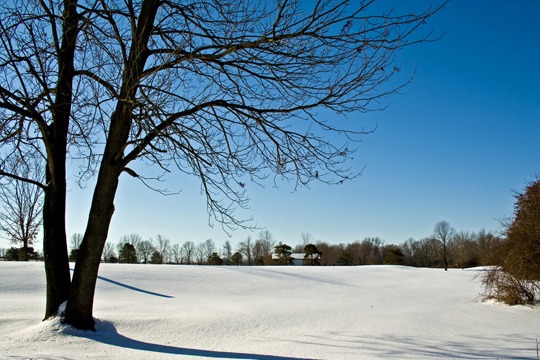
176 254
133 239
246 248
188 248
145 249
330 253
227 252
307 238
109 255
268 242
200 254
226 91
75 241
443 233
209 248
163 247
21 208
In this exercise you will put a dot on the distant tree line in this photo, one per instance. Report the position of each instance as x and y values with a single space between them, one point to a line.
444 248
463 250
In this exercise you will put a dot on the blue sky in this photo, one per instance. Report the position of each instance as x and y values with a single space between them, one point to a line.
454 145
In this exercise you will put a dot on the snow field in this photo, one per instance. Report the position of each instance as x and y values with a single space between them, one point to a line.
269 313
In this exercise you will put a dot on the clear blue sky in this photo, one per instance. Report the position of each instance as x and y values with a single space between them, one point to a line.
453 146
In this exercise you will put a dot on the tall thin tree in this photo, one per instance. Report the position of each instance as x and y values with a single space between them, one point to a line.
443 233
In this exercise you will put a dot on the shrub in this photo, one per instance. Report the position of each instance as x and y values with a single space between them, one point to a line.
502 286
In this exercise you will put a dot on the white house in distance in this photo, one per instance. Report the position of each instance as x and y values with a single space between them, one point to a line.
297 259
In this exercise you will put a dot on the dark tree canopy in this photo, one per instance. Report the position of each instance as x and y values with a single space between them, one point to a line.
522 258
236 259
127 254
228 91
283 253
214 259
312 254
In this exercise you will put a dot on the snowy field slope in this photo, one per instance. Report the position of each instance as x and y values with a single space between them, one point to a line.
269 313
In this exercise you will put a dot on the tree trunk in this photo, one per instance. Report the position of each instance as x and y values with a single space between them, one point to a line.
81 297
55 242
24 256
54 205
445 258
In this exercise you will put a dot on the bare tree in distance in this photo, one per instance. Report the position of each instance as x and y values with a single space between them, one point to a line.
21 205
200 254
209 248
307 238
133 239
267 243
227 252
109 255
246 248
188 250
163 247
74 244
443 233
227 91
176 254
145 249
75 241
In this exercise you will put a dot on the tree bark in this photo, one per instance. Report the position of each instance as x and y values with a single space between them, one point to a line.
54 240
81 297
54 204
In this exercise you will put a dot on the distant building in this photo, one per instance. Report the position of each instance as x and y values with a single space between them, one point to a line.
296 259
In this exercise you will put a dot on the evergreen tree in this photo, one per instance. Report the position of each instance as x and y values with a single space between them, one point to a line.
236 259
393 255
283 251
127 254
214 259
312 255
156 258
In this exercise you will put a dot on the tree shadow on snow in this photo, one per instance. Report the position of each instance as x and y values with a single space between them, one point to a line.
133 287
510 347
107 334
265 272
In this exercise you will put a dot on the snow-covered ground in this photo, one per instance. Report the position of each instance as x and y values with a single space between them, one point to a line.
269 313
